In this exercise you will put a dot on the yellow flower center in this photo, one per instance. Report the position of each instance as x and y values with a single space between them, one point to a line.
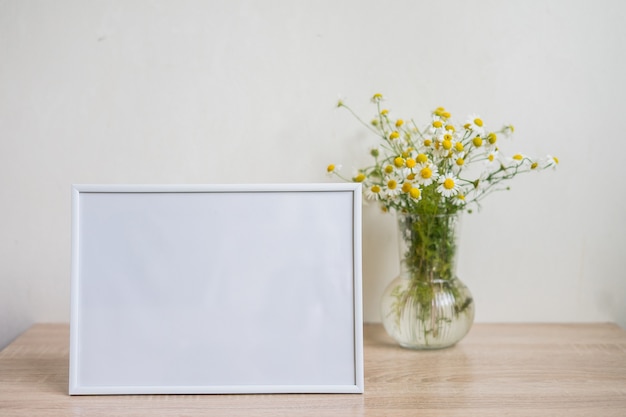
428 142
389 169
437 124
415 192
459 147
467 126
375 189
399 122
421 158
392 184
410 177
460 161
450 128
394 135
477 141
446 114
374 122
410 163
426 173
478 122
377 96
448 184
556 160
492 138
534 165
398 162
407 152
490 157
406 187
330 168
359 178
447 145
384 112
518 157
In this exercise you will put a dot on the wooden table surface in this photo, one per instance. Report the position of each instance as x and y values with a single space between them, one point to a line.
497 370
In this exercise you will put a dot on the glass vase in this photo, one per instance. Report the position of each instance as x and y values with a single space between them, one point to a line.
427 306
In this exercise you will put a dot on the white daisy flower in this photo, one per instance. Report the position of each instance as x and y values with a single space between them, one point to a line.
399 169
410 164
403 174
508 130
392 187
332 169
442 112
518 160
415 193
437 126
441 149
492 162
458 161
459 147
477 141
448 141
373 192
426 173
551 161
475 124
406 186
359 177
388 169
408 151
490 141
376 98
459 200
448 185
425 144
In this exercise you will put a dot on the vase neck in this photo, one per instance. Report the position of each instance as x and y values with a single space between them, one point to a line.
427 246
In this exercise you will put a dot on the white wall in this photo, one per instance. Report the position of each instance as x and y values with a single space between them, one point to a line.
244 91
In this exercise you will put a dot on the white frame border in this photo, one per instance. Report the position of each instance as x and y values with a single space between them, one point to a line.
358 387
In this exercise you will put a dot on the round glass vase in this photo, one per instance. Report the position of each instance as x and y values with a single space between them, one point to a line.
427 306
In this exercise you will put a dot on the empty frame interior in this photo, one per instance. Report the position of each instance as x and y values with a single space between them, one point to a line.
216 289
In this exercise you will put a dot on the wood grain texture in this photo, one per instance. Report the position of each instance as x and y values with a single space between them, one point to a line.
497 370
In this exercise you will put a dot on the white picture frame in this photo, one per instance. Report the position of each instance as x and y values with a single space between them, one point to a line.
212 289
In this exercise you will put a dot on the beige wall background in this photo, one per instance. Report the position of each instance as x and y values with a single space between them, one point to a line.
234 91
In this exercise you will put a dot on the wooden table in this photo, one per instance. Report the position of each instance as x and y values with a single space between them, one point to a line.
497 370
